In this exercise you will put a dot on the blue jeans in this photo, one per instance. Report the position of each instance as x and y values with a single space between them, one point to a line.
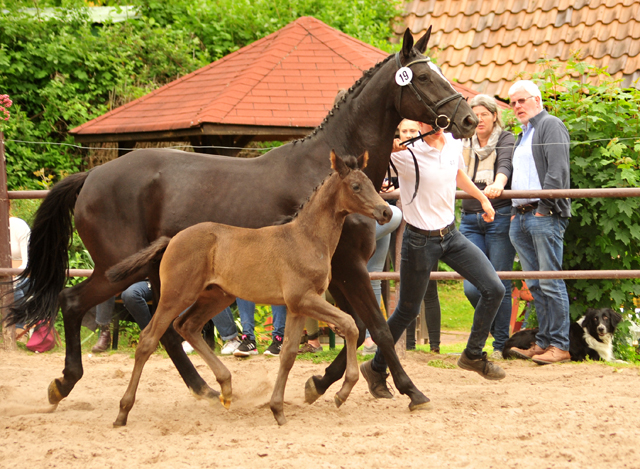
540 243
104 312
420 254
492 239
135 300
383 238
247 310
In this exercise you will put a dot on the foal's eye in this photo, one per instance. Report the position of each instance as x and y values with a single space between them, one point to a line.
355 187
423 77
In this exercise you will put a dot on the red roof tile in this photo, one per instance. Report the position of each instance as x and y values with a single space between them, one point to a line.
484 45
288 78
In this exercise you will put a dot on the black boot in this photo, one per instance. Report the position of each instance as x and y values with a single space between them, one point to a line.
104 341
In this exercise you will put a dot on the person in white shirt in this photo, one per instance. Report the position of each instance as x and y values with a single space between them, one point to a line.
431 235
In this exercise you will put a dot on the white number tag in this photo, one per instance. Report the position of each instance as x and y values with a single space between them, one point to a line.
404 76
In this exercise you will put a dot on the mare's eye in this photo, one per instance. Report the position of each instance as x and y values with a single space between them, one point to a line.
355 187
423 77
605 317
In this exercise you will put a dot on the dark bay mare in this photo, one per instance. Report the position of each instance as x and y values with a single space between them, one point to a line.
201 274
123 206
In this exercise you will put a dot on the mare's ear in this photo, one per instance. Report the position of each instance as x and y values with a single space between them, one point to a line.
363 160
421 45
407 43
338 165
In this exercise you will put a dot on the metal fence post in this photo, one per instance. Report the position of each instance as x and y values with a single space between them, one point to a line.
8 333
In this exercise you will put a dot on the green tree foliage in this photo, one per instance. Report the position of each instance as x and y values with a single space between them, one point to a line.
61 70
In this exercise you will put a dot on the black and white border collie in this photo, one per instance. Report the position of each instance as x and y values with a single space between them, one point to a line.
590 336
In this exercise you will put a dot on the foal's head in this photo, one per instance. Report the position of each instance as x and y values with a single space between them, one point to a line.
357 194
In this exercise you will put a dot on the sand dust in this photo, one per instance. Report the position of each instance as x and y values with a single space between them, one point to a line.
569 415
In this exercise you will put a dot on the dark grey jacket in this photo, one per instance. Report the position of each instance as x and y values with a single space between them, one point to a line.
550 148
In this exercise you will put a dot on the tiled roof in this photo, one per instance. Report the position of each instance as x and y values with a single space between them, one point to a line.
485 44
289 78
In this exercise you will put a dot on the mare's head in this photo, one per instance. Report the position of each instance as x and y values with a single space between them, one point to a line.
425 95
357 194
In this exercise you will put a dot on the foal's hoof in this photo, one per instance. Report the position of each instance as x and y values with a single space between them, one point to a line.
338 400
54 393
226 403
422 405
311 394
209 394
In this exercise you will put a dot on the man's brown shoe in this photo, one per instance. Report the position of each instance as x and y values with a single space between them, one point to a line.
377 381
552 355
103 341
528 354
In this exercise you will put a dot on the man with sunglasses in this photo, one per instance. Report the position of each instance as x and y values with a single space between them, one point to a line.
541 161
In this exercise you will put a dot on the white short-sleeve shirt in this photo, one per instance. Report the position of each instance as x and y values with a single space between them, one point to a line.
434 205
19 240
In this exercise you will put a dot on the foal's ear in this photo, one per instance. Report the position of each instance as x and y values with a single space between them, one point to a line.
363 160
337 164
407 43
421 45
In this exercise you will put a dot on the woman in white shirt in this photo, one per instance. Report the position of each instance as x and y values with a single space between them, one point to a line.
431 236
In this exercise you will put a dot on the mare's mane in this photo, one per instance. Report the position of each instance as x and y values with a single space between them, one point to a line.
350 161
354 90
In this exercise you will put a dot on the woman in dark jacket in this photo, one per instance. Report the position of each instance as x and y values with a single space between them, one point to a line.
487 157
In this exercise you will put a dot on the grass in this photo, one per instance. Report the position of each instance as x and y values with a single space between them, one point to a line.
457 312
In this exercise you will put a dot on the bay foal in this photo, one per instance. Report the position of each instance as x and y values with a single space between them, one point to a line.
205 267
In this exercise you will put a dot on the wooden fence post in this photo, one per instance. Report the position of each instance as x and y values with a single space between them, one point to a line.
8 333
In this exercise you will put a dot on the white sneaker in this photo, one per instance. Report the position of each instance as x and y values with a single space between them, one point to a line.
497 355
186 346
230 346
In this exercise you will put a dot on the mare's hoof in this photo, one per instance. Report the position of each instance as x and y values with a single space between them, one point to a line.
311 394
423 405
54 394
338 400
209 394
121 421
226 403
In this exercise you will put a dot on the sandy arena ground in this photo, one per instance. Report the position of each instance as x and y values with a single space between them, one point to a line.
568 415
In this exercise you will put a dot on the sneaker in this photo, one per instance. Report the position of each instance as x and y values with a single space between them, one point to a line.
497 355
274 348
528 354
230 346
377 381
247 347
552 355
308 348
186 346
482 366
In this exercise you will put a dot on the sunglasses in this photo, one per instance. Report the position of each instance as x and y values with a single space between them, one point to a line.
520 102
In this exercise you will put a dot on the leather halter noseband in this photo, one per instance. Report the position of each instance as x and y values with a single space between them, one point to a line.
423 98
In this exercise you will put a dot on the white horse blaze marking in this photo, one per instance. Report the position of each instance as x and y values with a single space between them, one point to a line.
436 69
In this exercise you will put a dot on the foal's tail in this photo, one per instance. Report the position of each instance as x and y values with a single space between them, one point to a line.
48 250
138 261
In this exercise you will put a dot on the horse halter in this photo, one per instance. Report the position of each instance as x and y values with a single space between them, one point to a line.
423 98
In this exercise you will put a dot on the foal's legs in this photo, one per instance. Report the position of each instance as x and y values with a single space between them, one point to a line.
190 325
350 276
165 314
172 343
288 352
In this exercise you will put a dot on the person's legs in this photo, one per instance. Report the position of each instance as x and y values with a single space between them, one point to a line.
468 260
104 314
247 309
135 299
279 313
547 234
223 321
419 254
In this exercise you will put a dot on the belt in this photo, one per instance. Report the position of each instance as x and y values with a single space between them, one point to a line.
440 233
522 209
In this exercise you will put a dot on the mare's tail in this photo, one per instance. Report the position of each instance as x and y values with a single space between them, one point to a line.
138 261
48 251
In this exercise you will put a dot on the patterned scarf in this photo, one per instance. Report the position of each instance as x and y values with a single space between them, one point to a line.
484 157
